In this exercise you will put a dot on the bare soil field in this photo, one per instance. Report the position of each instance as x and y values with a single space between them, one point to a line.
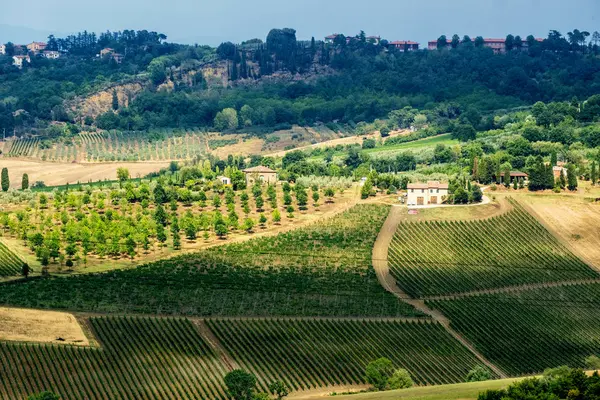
52 173
573 218
24 325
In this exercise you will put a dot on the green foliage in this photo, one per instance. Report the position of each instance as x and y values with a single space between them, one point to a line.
279 389
44 396
25 182
592 362
226 119
379 372
240 384
401 379
478 374
5 180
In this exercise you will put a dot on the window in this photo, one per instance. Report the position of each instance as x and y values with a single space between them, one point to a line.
422 190
437 191
412 190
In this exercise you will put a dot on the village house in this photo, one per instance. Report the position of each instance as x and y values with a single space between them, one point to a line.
260 174
51 54
106 51
514 175
559 169
331 38
36 47
405 45
432 192
2 49
224 180
18 60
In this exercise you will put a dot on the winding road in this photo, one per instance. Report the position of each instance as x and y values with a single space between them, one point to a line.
380 264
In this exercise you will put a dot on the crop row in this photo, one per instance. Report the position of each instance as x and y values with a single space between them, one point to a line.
165 358
526 332
447 257
10 263
22 147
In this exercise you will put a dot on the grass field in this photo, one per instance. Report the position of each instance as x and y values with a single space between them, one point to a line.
444 139
526 332
320 270
449 257
457 391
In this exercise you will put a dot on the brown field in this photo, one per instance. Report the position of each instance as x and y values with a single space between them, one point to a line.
52 173
24 325
573 218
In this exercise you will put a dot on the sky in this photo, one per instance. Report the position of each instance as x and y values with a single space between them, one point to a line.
212 22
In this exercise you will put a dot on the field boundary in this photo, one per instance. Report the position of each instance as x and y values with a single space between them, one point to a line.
380 264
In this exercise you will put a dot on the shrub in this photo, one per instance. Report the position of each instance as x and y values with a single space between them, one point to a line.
478 374
400 380
379 372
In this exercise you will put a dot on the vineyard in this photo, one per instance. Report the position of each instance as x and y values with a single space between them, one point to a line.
139 358
526 332
10 263
310 354
160 358
321 270
448 257
114 146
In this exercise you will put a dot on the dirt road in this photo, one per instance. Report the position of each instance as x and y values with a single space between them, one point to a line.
380 263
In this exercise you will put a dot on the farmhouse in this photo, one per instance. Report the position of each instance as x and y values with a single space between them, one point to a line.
18 60
36 47
2 49
515 175
260 174
557 170
224 180
432 192
50 54
331 38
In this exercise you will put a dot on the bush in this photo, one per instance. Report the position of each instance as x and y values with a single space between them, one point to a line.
478 374
379 372
400 380
593 362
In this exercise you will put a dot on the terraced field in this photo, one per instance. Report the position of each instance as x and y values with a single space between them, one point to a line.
448 257
154 358
528 331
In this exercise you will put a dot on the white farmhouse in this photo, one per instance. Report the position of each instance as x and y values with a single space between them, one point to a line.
18 60
432 192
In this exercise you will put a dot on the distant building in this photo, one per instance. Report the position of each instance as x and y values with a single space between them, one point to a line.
106 51
432 192
2 49
51 54
514 175
557 170
118 57
36 47
260 174
224 180
18 61
497 45
331 38
405 45
373 39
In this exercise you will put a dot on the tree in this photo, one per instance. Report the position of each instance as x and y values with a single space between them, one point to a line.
442 42
262 219
479 42
379 372
25 270
279 389
455 41
592 362
221 229
506 177
401 379
509 42
316 197
562 180
276 216
227 119
365 190
464 132
571 177
115 100
122 175
5 180
248 225
594 173
478 374
25 182
240 384
44 396
477 194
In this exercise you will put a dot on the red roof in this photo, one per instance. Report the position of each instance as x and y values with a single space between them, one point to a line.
399 42
332 36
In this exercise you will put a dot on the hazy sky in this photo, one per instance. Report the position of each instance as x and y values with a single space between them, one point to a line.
217 20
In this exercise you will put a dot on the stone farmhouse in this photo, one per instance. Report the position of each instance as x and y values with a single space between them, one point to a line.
432 192
260 174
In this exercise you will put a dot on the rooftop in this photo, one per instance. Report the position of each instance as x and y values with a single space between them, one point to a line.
259 169
428 185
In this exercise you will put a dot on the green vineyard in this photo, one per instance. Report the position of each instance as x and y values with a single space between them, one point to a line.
526 332
139 358
10 263
309 354
448 257
321 270
163 358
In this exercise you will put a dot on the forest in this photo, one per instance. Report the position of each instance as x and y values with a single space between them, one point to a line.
349 81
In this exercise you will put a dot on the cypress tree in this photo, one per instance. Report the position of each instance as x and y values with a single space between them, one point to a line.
594 173
115 100
234 70
549 177
571 177
5 180
25 182
507 177
243 66
515 184
562 180
553 159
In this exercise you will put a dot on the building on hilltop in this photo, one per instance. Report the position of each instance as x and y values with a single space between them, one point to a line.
405 45
514 175
497 45
2 49
51 54
36 47
224 180
260 174
18 61
331 38
432 192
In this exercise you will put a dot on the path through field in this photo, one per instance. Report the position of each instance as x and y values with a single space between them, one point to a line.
380 264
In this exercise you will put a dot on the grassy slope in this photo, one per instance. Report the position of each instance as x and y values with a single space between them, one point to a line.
459 391
417 144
